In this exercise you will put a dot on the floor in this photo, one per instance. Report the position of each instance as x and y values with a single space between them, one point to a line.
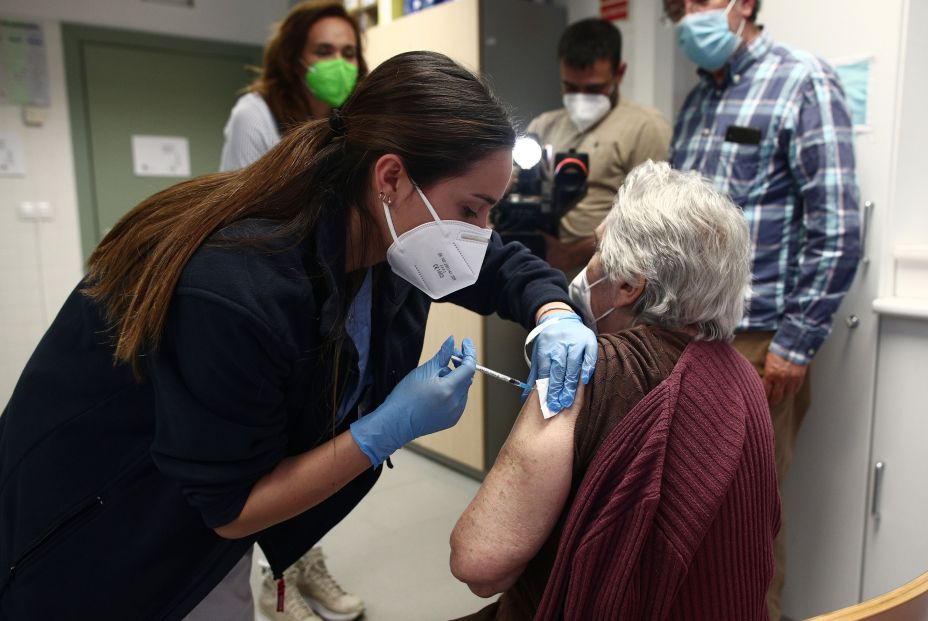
392 550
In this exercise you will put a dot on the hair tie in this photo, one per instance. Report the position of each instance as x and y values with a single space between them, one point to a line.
337 122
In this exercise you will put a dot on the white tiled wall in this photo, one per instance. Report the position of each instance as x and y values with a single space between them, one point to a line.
40 262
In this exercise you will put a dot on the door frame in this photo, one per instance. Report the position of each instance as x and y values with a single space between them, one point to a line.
75 38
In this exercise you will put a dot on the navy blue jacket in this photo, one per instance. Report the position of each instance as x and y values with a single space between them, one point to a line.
110 488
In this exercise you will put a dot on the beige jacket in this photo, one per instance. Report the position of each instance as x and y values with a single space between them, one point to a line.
629 135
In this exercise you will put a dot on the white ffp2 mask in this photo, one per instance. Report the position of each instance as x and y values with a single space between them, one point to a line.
579 292
438 257
586 110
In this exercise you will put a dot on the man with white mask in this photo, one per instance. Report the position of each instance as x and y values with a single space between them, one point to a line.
616 133
769 125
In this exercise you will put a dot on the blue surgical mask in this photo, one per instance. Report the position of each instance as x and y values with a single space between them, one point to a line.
706 39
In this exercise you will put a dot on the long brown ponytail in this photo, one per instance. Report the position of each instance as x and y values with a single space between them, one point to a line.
437 116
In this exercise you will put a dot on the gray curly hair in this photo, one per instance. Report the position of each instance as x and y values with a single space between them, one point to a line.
690 243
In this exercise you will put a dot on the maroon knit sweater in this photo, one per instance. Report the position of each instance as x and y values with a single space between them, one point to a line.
676 515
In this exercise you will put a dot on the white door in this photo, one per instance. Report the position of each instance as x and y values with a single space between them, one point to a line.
896 544
897 547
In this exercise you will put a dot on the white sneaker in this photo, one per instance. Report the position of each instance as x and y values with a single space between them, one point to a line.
295 607
325 595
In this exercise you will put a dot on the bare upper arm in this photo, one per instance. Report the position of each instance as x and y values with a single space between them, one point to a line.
519 502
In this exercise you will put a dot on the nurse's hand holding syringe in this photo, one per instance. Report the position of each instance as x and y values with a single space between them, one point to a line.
429 399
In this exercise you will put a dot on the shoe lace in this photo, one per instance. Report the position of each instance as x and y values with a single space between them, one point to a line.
294 602
320 575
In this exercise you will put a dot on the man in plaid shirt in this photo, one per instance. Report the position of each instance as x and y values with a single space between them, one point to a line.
770 125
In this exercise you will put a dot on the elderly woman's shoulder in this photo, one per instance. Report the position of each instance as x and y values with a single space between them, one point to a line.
651 354
641 350
643 339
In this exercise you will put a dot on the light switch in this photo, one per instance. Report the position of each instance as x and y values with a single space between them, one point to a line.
44 211
26 211
35 211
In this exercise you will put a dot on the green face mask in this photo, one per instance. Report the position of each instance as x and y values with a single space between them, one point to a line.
332 80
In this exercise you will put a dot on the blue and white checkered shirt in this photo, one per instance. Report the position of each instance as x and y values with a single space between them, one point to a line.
776 135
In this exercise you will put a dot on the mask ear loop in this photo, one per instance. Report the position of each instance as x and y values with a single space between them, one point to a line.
743 20
604 315
590 285
389 217
428 206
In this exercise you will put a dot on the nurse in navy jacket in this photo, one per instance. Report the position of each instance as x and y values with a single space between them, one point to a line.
243 350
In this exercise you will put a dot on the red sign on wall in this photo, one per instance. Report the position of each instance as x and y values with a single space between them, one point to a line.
613 9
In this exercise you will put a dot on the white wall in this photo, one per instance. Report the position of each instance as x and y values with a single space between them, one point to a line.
908 223
40 263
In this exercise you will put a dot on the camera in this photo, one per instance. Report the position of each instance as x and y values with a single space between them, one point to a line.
546 189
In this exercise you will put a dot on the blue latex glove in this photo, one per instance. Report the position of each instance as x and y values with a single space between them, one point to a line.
431 398
564 352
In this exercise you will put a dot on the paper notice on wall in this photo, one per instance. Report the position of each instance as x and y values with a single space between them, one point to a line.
160 156
854 74
23 67
12 156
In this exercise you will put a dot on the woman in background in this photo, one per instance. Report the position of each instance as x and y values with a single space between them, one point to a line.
311 65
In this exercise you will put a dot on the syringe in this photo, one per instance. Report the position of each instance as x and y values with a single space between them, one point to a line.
495 374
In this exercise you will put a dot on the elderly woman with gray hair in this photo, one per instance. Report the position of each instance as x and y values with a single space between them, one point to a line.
654 496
